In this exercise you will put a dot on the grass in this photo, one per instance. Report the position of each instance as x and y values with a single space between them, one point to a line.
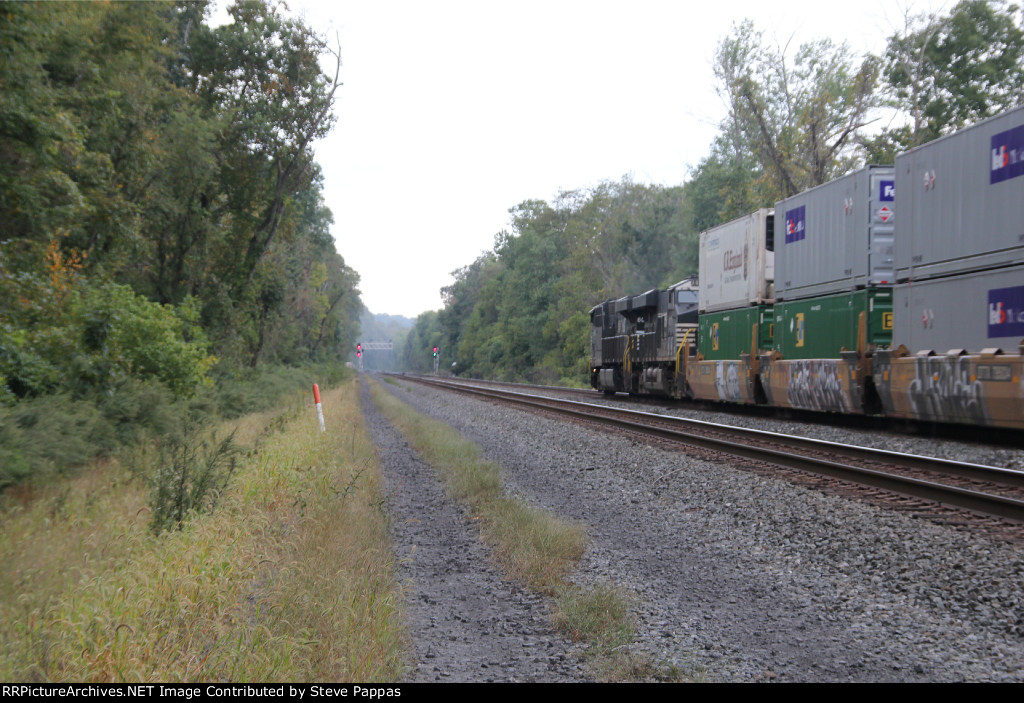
289 579
601 617
530 544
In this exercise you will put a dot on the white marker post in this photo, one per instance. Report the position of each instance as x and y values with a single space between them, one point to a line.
319 408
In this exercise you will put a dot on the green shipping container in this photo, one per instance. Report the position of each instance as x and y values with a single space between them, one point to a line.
820 328
726 335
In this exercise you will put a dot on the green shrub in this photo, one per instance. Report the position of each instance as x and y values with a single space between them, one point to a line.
242 390
44 437
92 337
140 408
187 474
124 334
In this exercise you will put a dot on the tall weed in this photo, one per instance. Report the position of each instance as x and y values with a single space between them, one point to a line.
188 475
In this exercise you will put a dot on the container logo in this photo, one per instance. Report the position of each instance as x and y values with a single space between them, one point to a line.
795 227
1007 155
799 329
733 263
714 336
733 259
887 191
1006 312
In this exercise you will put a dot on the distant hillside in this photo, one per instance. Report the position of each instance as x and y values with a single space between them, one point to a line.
382 327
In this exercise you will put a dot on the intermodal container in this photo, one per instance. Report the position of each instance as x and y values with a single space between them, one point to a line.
962 201
737 264
837 237
821 328
974 311
727 334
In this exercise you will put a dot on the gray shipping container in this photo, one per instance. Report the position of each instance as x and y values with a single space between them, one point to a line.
973 311
736 267
962 200
836 237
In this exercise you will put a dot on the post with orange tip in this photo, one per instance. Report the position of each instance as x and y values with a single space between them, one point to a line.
319 408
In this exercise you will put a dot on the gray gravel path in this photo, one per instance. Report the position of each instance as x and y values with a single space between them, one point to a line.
466 622
751 578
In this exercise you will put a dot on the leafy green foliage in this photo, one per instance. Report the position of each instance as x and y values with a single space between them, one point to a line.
799 116
950 71
240 389
126 335
88 336
177 159
262 73
48 436
520 311
160 209
425 334
41 439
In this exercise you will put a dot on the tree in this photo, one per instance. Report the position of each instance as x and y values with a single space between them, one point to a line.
726 184
520 311
37 139
800 117
140 147
262 73
948 72
425 334
462 297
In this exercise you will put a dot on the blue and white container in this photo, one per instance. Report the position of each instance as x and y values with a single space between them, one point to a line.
836 237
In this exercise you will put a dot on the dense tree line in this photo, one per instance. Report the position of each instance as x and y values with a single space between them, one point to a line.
520 311
161 212
796 117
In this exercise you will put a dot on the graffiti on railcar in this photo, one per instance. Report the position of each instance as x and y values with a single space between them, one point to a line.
944 389
727 380
817 384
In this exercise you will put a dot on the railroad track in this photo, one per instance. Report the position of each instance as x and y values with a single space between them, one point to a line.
986 490
990 436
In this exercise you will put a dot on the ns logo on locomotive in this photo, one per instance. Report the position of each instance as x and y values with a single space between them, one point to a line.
850 309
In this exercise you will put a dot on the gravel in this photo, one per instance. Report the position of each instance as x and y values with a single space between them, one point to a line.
736 577
465 621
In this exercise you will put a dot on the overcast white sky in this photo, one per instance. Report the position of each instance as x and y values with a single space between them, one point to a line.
452 112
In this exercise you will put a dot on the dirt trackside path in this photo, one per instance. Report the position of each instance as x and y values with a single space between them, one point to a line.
465 621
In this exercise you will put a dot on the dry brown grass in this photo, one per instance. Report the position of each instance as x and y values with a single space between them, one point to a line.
290 579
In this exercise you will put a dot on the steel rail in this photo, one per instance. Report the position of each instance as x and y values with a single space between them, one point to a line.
996 474
1002 506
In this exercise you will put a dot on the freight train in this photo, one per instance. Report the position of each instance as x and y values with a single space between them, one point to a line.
894 290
